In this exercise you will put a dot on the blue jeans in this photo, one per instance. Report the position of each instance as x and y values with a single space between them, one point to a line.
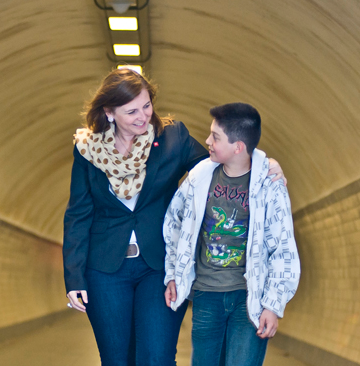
132 298
223 315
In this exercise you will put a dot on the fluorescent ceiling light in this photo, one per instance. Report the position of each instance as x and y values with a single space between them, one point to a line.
136 68
123 23
126 49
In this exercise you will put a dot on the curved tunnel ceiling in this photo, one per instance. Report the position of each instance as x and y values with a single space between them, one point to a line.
296 61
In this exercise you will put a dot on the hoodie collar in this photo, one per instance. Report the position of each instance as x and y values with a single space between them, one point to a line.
202 171
259 170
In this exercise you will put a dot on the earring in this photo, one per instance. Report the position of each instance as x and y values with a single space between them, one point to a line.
111 119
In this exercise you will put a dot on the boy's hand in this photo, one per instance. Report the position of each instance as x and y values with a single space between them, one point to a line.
268 324
170 293
275 168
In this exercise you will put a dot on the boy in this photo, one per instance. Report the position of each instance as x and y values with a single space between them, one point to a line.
236 224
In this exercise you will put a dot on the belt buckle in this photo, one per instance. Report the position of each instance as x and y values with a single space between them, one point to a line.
133 250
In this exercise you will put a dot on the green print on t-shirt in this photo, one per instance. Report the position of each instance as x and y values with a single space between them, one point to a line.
222 254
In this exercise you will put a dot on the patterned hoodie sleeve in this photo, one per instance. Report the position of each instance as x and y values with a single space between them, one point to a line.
172 228
283 262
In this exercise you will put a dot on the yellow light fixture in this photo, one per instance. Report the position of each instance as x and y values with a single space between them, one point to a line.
136 68
123 23
126 49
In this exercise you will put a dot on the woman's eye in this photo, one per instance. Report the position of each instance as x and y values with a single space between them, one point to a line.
131 112
147 105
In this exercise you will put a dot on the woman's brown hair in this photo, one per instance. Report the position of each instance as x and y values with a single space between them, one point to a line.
120 87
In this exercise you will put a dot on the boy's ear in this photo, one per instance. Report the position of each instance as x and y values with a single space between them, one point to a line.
240 147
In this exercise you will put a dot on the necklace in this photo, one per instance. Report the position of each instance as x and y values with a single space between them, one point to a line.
128 152
237 176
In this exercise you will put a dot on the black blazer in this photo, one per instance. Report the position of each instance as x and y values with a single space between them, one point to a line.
97 226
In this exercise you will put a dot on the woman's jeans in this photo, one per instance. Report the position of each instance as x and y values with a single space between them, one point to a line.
223 315
132 298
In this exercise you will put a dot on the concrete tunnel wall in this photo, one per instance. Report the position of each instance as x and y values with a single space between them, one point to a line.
41 98
53 53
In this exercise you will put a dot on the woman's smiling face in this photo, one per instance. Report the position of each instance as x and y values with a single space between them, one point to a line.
134 117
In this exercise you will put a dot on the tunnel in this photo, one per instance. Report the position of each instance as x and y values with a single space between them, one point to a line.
296 61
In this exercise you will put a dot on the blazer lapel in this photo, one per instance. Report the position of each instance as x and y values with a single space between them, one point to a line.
152 166
104 187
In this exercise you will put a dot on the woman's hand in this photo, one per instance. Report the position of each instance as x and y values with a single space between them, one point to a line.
74 300
170 293
275 168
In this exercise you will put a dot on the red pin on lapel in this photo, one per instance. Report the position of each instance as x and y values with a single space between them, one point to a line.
156 143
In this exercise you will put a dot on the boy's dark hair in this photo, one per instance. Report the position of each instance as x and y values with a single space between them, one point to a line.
240 122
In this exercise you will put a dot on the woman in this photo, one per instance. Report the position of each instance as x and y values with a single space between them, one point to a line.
127 164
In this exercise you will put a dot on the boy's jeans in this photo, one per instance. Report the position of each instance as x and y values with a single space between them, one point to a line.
219 315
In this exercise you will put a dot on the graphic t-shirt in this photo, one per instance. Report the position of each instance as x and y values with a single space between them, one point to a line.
221 247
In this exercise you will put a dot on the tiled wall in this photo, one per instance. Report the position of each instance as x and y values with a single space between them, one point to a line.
325 312
31 277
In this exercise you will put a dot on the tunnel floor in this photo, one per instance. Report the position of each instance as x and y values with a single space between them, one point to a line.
70 342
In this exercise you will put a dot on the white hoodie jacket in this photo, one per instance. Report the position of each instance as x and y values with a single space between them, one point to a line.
272 261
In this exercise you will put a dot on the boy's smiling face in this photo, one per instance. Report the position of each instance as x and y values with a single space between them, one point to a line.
220 149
